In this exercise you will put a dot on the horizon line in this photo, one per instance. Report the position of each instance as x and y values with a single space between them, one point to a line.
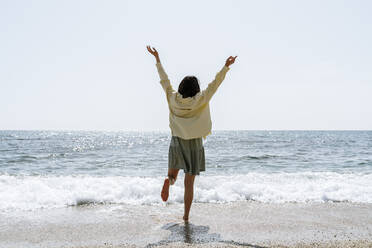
218 130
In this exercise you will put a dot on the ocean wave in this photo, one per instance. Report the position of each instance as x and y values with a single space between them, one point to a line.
258 157
34 192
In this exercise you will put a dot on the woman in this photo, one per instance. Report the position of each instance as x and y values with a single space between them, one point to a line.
189 121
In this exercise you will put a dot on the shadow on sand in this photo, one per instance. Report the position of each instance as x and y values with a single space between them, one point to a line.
192 234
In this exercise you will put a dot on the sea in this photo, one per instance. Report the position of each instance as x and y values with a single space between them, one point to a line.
61 169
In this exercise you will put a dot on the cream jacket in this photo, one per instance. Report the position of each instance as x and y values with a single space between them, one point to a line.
190 117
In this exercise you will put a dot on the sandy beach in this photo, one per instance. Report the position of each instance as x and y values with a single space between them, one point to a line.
247 224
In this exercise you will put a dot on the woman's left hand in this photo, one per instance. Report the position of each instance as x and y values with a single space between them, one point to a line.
153 52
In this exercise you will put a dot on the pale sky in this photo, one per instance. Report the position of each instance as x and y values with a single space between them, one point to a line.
83 65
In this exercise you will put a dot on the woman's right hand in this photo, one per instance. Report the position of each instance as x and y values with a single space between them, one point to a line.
230 60
153 52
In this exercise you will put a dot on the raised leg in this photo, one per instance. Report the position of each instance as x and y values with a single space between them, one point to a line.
172 176
189 194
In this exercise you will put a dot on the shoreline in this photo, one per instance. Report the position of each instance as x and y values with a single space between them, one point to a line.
238 224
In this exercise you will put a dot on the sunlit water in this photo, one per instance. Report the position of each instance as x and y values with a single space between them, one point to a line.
42 169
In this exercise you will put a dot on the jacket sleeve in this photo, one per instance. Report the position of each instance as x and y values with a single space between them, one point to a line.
213 86
164 81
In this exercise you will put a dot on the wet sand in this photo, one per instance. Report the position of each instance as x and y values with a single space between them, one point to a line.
241 224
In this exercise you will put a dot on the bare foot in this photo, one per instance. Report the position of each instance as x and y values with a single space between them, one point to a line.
186 219
165 190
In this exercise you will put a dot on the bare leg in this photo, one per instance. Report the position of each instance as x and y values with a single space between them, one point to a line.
189 194
172 176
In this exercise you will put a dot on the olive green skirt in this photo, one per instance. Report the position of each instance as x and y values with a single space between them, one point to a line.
187 155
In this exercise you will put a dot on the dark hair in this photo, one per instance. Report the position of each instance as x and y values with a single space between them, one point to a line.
189 86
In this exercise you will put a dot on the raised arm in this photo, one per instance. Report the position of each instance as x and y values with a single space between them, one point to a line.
164 81
154 52
220 76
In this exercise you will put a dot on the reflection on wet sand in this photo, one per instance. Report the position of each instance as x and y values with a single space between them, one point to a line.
192 234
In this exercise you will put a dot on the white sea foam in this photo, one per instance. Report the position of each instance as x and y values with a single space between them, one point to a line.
33 192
